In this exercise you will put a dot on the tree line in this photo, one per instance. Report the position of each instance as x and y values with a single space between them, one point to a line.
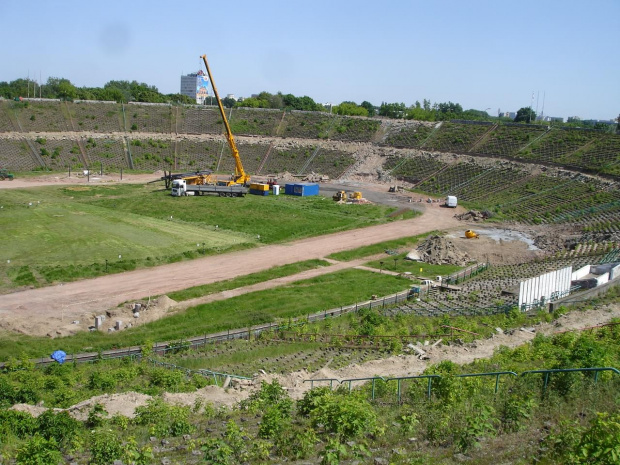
126 91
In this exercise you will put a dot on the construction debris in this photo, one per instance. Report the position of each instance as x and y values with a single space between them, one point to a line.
473 215
438 250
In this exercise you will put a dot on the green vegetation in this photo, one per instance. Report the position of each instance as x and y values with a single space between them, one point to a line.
398 264
247 280
296 299
573 420
60 234
374 249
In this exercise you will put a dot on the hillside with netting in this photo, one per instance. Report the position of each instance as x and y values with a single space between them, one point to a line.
451 178
507 140
100 117
456 137
354 129
306 125
40 116
412 135
413 169
255 121
557 145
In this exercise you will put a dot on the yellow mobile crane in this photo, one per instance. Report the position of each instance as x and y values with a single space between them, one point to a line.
240 175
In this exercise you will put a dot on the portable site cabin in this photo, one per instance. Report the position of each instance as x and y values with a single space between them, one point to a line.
302 189
451 201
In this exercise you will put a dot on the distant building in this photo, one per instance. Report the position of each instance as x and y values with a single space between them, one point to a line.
510 114
554 119
195 86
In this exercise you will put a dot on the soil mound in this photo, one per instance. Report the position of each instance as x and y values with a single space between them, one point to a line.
438 250
473 215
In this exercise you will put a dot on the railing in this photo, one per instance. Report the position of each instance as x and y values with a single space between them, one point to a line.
468 272
430 378
215 375
547 373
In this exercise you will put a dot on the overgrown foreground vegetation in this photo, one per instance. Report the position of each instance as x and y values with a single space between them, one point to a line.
573 420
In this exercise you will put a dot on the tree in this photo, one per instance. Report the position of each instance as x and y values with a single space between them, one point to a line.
350 109
228 102
525 115
370 108
392 110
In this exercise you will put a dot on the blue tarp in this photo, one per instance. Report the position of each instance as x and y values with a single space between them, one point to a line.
59 356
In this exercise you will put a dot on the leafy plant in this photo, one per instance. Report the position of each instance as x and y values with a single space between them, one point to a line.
39 451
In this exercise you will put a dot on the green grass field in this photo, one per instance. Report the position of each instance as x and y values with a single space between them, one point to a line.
59 234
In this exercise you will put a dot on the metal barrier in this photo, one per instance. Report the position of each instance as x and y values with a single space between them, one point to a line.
430 378
206 373
548 373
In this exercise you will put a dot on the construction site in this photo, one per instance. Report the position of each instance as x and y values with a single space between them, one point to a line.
469 236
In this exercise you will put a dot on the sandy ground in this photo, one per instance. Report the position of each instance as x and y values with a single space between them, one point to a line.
395 366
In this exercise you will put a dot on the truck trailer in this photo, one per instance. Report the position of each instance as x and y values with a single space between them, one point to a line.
180 188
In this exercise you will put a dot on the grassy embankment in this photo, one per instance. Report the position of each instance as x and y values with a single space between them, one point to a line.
295 299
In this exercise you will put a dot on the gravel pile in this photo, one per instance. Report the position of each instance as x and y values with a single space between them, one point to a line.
438 250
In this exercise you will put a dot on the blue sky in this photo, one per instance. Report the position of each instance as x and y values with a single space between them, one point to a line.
481 54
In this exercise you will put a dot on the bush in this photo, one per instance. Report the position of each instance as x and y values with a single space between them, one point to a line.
105 448
163 419
61 427
39 451
345 415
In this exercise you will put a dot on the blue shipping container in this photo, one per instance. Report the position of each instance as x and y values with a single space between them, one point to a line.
302 189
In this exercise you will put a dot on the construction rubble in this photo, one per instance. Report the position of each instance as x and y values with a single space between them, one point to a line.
473 215
438 250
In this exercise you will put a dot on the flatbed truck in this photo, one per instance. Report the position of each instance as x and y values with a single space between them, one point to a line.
180 188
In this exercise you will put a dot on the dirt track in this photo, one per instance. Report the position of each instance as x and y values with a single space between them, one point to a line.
38 311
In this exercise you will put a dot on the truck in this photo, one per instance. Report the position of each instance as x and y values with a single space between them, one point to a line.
451 201
181 188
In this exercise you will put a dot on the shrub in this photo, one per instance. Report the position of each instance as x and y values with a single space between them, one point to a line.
163 419
39 451
16 423
63 428
347 416
105 448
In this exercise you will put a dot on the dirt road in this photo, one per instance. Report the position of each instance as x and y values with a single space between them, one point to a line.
46 307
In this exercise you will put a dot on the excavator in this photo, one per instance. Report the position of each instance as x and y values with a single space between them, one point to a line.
240 176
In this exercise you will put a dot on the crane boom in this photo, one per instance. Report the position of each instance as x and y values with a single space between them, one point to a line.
240 175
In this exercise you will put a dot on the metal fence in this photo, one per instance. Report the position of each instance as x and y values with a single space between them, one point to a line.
429 379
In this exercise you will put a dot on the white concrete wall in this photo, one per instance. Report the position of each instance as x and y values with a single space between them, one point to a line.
544 286
580 273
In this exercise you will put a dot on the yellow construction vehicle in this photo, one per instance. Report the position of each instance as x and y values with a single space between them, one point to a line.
469 234
240 177
340 196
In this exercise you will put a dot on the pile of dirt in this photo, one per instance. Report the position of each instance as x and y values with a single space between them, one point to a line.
473 215
438 250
